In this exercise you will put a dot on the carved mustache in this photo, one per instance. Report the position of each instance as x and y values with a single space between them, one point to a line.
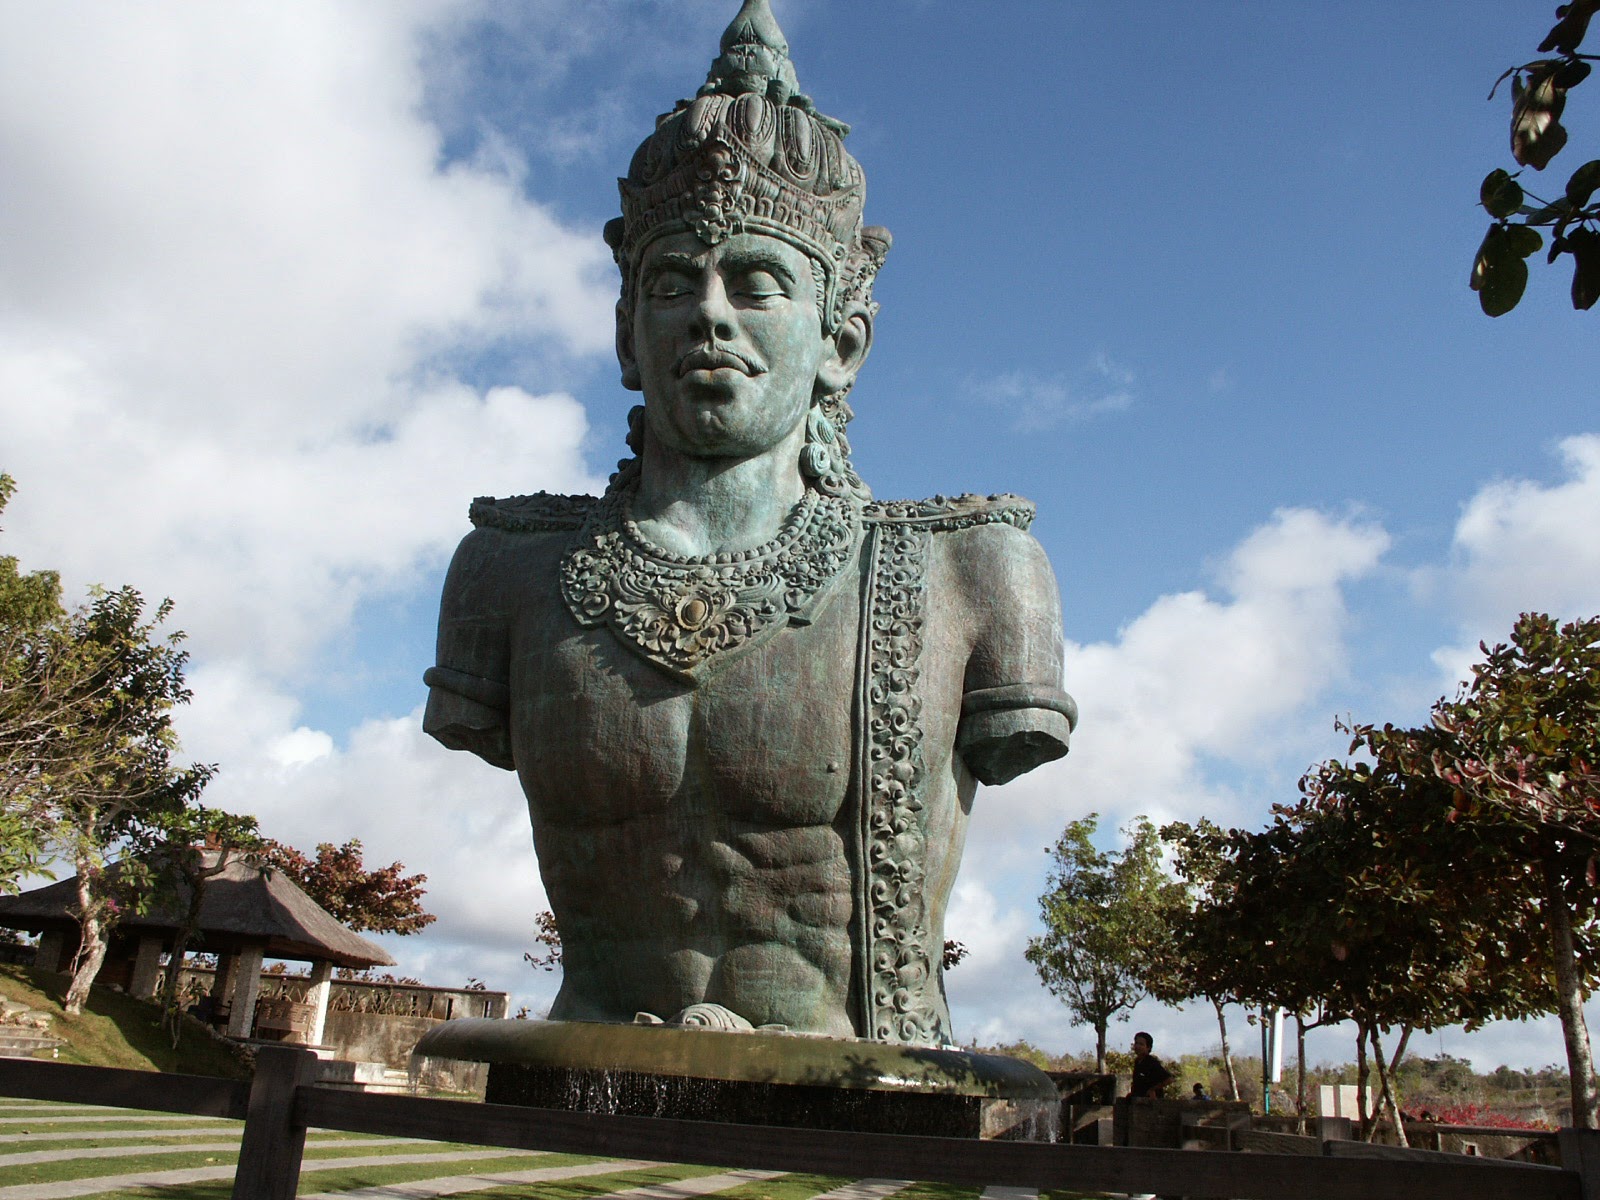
712 358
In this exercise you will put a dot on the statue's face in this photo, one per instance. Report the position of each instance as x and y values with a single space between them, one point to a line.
727 342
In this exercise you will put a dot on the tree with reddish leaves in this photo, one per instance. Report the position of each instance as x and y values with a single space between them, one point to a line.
1358 903
381 900
1413 938
1518 754
1440 875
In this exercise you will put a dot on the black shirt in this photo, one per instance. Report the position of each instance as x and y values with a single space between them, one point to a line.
1148 1073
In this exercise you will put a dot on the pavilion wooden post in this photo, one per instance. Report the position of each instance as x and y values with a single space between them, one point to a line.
146 967
52 942
222 981
246 987
317 995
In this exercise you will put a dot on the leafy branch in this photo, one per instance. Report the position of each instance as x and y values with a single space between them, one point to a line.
1538 98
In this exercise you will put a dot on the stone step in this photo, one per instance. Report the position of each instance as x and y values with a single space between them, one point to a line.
32 1022
362 1076
16 1043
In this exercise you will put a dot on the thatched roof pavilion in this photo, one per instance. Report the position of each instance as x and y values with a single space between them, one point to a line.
247 913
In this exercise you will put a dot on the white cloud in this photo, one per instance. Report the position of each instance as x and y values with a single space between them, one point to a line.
235 280
449 816
1525 546
231 268
299 747
1196 679
1195 690
1041 402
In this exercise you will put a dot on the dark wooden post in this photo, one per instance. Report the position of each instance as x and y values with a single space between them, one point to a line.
269 1155
1580 1152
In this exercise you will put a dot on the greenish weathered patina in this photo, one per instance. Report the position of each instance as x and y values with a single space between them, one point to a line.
748 703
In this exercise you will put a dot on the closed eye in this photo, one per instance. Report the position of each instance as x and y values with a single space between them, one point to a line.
759 285
667 287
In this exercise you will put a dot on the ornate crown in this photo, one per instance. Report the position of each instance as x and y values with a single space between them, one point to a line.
751 153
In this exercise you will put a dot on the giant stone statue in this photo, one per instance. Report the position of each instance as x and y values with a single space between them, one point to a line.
749 704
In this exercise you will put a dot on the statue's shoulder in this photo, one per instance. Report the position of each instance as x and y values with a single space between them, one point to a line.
947 514
983 546
542 512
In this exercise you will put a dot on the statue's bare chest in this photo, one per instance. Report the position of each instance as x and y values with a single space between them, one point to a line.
604 736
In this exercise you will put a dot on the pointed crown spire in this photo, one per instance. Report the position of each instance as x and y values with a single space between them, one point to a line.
755 57
750 152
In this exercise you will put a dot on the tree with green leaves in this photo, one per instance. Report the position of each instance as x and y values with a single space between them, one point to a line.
1201 957
34 703
1538 97
1351 905
116 783
197 845
375 900
87 746
1106 916
1249 935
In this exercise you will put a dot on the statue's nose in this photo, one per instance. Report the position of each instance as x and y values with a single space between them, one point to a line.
713 313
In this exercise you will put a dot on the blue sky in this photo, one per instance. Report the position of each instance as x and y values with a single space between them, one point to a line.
283 286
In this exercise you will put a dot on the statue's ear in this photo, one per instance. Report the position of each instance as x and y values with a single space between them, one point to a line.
625 355
851 345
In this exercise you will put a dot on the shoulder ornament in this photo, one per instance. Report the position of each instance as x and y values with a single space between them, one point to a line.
542 512
943 514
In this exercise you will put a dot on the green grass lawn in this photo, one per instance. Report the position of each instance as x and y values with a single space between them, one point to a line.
214 1143
115 1030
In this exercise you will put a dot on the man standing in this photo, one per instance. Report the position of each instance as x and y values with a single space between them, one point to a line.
1149 1076
748 703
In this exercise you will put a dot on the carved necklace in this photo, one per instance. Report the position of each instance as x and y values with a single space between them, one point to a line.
687 614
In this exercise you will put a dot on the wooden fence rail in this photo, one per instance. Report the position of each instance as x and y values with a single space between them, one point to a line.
282 1103
198 1095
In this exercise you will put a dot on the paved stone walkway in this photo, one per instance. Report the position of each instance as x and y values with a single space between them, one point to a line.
78 1122
27 1158
119 1117
455 1185
219 1129
67 1188
866 1189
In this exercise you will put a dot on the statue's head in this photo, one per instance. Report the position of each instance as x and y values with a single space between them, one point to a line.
744 260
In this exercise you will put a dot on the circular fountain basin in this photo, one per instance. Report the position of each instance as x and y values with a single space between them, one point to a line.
753 1077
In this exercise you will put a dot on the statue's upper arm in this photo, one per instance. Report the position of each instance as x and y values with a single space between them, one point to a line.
468 689
1015 715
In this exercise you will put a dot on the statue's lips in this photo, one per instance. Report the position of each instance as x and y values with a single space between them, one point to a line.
712 361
